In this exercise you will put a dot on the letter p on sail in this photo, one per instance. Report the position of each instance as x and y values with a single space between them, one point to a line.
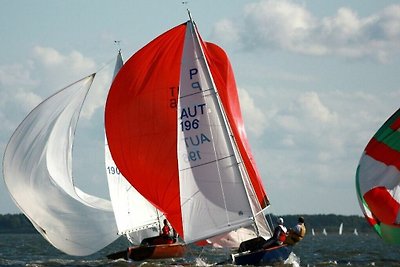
193 72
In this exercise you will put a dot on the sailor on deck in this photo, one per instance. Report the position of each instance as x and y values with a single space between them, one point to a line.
279 235
297 233
165 230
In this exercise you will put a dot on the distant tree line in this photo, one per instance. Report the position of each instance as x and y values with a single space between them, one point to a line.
330 222
19 223
15 223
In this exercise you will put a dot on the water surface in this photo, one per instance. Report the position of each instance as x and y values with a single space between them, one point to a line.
320 250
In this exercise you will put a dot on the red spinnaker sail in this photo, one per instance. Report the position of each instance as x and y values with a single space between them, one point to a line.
141 120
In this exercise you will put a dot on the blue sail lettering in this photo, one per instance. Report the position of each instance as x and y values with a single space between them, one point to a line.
191 112
196 85
193 72
204 138
196 140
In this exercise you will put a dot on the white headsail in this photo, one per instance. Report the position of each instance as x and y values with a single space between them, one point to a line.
133 213
37 170
216 194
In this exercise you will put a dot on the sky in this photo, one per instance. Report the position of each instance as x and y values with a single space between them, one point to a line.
316 80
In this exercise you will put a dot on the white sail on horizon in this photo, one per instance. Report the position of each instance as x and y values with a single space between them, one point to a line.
324 232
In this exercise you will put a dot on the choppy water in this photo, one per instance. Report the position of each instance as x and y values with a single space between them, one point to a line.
331 250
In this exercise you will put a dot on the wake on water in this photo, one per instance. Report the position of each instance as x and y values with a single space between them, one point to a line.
293 260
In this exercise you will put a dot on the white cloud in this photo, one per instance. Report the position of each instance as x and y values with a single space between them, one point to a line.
390 22
15 75
255 120
52 70
58 70
28 100
69 66
312 106
304 113
313 141
229 29
287 25
276 22
48 56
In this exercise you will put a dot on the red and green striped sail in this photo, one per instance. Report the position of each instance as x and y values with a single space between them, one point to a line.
378 179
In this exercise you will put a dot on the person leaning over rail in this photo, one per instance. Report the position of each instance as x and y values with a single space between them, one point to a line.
296 233
279 236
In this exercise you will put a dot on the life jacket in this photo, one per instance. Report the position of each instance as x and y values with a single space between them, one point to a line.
282 234
299 236
165 230
302 231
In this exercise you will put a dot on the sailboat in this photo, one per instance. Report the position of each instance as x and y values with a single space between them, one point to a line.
377 182
355 231
341 229
324 232
136 218
37 169
176 133
312 231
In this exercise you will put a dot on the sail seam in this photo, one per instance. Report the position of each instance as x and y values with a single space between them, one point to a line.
199 165
212 90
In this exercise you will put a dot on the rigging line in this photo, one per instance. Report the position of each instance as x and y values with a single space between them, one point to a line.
108 62
211 90
105 65
271 221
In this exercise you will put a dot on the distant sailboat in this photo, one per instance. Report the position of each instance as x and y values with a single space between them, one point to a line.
355 231
312 231
341 229
324 232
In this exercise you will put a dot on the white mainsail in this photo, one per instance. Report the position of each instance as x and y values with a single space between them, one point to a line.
133 213
37 169
214 187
